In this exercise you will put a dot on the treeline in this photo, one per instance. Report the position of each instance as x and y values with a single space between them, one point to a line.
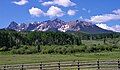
55 42
85 36
9 39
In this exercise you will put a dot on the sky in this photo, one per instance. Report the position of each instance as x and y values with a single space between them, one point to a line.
103 13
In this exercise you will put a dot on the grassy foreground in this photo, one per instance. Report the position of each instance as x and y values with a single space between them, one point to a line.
36 58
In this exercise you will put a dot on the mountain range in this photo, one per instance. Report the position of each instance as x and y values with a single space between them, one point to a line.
58 25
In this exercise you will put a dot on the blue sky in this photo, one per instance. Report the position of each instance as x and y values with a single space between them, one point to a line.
105 12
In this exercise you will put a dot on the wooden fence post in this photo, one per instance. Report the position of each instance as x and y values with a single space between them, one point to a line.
22 67
4 67
78 65
118 64
41 66
59 65
98 64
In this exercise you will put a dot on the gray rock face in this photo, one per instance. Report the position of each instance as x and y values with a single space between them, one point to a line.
58 25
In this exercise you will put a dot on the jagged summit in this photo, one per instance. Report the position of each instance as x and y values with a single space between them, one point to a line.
58 25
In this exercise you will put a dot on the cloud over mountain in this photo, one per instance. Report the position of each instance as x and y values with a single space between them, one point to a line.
35 12
115 28
55 8
106 17
54 12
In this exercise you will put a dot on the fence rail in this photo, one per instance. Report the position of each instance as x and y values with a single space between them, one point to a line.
66 65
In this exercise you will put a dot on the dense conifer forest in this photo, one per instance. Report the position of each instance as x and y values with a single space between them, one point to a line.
54 42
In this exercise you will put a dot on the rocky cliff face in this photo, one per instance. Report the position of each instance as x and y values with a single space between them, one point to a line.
58 25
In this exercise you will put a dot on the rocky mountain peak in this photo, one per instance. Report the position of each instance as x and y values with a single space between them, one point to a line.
58 25
13 25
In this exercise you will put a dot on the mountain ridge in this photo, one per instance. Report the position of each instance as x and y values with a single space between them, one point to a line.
58 25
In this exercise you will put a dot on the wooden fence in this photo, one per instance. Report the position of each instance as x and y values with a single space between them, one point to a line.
66 65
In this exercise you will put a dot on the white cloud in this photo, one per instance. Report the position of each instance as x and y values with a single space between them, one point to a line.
65 3
71 12
106 17
48 3
104 26
115 28
117 11
21 2
54 12
35 12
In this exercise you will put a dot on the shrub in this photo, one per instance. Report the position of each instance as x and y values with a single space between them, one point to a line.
65 49
24 50
4 48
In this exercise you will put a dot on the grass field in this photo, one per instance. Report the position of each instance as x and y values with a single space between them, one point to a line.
6 58
36 58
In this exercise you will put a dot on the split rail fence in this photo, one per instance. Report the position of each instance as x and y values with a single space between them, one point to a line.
66 65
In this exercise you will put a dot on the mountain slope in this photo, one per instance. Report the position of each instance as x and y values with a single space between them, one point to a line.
58 25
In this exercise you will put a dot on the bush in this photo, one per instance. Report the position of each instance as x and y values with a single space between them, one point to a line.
47 49
65 49
24 50
99 48
4 48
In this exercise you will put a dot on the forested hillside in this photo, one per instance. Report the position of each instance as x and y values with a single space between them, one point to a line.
55 42
8 39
